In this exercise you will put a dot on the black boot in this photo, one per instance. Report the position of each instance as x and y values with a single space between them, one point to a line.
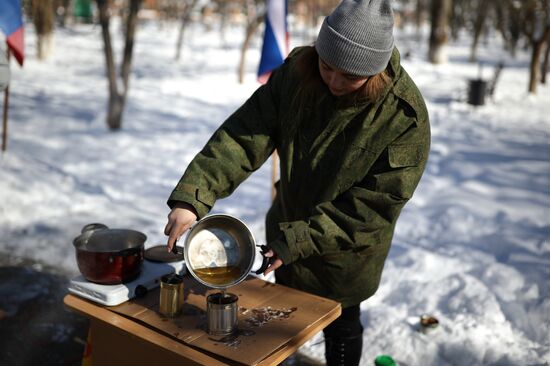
343 351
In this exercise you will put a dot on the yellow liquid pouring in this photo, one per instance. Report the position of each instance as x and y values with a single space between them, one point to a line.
218 275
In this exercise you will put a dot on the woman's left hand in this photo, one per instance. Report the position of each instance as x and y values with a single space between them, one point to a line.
276 263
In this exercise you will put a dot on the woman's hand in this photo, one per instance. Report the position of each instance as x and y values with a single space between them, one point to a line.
276 263
181 218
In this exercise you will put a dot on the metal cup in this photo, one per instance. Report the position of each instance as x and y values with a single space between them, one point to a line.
171 295
221 313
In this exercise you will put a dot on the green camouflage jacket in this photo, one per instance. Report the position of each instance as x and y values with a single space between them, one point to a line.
345 175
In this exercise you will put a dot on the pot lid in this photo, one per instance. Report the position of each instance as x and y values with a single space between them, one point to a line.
159 253
107 240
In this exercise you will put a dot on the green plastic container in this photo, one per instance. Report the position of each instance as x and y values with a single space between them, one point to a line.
384 360
83 9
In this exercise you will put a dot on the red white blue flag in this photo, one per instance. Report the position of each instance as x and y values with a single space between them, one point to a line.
11 23
275 47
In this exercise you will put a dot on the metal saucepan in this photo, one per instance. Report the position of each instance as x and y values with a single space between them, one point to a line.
220 251
109 256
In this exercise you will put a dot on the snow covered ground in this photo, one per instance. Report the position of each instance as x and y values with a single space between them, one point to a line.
472 248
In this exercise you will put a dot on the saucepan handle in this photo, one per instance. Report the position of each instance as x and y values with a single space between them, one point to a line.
175 247
93 227
266 262
86 232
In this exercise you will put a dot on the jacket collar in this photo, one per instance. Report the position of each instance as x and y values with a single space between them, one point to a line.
395 62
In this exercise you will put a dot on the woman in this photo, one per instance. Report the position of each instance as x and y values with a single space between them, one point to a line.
352 134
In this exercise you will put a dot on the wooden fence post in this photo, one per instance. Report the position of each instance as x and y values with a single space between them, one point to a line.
274 173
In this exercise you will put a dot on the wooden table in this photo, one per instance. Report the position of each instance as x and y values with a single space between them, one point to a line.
135 333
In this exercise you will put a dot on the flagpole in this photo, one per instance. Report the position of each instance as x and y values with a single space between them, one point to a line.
274 173
5 114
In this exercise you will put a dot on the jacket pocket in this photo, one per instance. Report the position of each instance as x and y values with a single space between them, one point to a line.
401 178
350 274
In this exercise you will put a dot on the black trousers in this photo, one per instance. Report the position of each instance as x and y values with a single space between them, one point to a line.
344 338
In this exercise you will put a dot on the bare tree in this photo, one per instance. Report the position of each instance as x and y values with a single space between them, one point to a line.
253 21
479 24
223 10
544 68
537 44
310 13
536 26
420 14
439 34
188 7
514 25
118 92
461 14
43 16
503 23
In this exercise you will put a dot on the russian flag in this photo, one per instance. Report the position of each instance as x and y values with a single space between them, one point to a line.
275 47
11 23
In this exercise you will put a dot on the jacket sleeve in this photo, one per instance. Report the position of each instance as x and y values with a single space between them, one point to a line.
364 216
239 147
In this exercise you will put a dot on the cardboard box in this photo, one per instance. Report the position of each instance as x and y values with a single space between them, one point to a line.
138 325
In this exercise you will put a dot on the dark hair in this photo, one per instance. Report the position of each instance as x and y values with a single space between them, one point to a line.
312 85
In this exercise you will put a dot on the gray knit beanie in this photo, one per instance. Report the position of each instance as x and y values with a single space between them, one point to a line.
358 36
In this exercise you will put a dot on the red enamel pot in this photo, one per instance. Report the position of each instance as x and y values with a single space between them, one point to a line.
109 256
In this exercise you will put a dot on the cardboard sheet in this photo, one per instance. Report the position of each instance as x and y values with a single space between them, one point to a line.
254 341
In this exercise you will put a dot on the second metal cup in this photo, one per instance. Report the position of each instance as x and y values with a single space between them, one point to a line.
221 313
171 295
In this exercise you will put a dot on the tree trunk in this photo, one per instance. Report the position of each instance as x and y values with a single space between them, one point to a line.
420 15
461 11
179 42
113 116
115 110
534 66
117 98
129 43
482 11
44 45
107 46
250 31
514 28
503 21
62 11
185 18
315 9
223 9
544 68
437 52
43 16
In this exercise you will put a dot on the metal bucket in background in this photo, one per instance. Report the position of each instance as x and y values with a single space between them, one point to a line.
477 89
221 314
